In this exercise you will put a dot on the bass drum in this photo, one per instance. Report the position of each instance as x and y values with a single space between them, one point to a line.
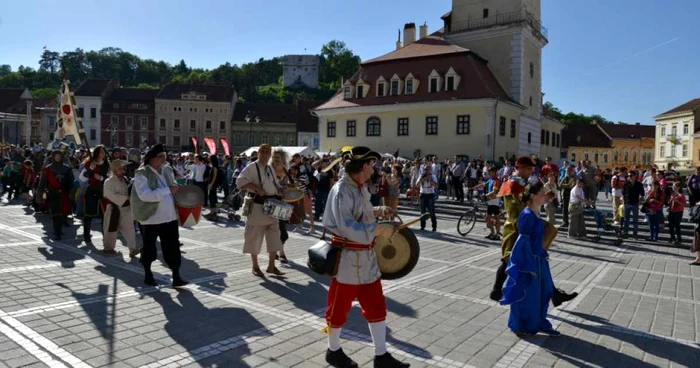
397 256
189 201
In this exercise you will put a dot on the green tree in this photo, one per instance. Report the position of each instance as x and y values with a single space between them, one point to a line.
50 61
337 61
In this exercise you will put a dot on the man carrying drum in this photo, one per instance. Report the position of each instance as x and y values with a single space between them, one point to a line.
350 217
258 179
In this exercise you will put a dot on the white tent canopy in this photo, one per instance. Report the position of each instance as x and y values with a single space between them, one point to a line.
392 158
291 150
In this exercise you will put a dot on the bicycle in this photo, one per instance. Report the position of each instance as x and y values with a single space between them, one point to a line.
468 219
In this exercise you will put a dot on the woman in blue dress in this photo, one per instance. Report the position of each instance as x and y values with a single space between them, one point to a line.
529 287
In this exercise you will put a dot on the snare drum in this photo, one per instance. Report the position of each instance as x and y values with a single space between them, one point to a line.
292 195
278 209
189 200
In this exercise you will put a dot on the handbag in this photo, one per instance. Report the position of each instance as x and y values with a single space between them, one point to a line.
324 257
645 208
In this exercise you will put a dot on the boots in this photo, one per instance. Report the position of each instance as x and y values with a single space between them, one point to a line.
87 224
388 361
560 296
338 359
501 276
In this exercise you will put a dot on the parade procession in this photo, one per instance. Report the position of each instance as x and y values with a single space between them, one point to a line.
408 202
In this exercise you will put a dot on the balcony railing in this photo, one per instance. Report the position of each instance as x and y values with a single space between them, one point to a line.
518 17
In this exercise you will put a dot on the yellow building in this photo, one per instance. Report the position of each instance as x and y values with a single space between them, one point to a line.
610 145
428 97
677 133
550 138
473 88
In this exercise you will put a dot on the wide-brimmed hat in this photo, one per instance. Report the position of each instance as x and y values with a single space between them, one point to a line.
117 164
360 154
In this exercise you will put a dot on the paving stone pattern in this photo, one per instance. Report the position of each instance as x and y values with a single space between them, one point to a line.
65 304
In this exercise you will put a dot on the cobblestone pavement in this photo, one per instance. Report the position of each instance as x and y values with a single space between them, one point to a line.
64 304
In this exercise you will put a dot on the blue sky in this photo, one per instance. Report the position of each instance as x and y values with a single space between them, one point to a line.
627 60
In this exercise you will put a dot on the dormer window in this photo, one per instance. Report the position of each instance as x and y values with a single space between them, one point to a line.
435 82
395 85
381 87
409 86
348 93
360 91
451 80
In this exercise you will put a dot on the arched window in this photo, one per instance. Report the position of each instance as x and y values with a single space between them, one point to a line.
616 156
627 157
374 127
634 157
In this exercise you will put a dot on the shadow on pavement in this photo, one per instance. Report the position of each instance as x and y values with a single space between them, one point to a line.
577 351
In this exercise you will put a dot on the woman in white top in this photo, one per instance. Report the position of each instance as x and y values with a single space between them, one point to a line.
577 224
551 205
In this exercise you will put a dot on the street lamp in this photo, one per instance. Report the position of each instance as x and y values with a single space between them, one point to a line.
250 118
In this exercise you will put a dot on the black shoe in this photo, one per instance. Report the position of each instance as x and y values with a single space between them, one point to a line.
338 359
496 295
178 282
560 296
434 229
87 238
57 237
388 361
150 281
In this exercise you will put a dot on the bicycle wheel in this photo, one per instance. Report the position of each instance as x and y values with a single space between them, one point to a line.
466 222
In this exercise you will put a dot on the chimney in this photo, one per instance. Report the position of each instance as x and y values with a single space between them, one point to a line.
398 41
424 30
409 33
637 123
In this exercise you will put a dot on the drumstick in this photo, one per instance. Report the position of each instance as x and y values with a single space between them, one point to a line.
407 224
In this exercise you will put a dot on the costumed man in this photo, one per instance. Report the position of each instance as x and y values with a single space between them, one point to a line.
95 169
258 179
153 205
55 187
511 192
350 217
118 217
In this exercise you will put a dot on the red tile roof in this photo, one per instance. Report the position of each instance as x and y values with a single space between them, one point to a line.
476 79
427 46
629 131
691 105
584 135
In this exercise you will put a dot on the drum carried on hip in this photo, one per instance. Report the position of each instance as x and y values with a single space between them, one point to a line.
189 201
278 209
398 255
292 195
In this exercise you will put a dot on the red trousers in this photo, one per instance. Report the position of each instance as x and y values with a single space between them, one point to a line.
341 296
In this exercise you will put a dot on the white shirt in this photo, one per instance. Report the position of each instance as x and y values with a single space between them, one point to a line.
622 180
199 172
426 187
250 175
166 203
576 195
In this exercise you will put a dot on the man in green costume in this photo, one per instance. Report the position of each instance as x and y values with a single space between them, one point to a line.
511 193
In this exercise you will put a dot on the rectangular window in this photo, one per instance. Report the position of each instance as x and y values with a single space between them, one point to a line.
546 138
129 122
348 93
292 140
605 158
402 128
93 134
93 112
541 136
485 13
674 130
558 140
434 85
394 87
512 128
554 140
463 124
360 91
351 128
330 129
176 142
684 152
450 84
685 129
663 131
380 89
193 125
162 123
222 125
374 127
431 125
208 125
144 122
502 126
409 86
585 157
237 138
673 150
115 121
80 112
52 121
129 140
176 124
